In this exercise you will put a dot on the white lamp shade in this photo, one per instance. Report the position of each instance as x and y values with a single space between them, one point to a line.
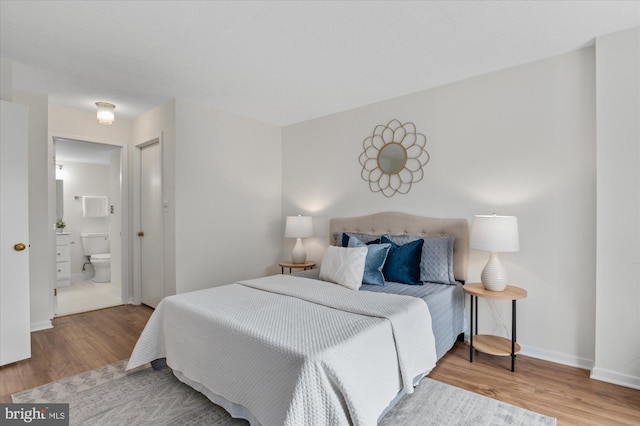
494 233
298 227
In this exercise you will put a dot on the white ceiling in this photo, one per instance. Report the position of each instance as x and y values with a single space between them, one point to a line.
282 62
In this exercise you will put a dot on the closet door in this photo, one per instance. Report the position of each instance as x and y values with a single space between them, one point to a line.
150 234
15 322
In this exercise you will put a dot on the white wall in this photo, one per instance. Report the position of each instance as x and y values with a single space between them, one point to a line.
6 80
82 179
41 231
519 142
228 197
617 357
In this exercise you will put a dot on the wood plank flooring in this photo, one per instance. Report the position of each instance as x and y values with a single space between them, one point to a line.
90 340
566 393
75 344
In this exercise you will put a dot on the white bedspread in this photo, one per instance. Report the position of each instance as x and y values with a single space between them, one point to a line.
294 351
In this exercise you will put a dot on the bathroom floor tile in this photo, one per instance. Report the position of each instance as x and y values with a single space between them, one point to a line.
82 296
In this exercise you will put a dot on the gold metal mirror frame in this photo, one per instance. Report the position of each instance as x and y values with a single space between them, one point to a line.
398 179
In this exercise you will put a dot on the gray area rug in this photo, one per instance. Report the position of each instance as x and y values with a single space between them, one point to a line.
109 396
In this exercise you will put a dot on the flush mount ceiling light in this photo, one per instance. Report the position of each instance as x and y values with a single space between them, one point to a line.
105 112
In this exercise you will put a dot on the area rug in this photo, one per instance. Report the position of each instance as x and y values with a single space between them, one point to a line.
109 396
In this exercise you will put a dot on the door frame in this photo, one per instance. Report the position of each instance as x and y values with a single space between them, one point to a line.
125 293
137 211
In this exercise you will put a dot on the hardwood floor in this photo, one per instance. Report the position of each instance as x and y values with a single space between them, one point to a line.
566 393
75 344
90 340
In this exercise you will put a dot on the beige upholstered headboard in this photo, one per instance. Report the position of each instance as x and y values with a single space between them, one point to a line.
402 223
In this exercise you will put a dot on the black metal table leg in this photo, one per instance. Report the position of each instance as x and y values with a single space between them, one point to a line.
471 331
513 334
476 300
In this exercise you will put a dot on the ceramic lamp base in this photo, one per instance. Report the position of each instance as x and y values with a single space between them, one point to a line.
494 276
299 254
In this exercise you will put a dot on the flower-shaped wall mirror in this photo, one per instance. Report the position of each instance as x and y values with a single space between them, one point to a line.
393 157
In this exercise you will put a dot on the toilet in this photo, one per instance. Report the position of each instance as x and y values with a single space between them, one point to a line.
95 247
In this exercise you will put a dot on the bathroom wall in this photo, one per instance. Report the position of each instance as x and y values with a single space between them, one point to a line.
83 179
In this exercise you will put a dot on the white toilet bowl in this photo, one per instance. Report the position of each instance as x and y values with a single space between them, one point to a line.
96 247
102 266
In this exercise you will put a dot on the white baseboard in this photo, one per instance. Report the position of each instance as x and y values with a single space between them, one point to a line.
584 363
615 378
559 358
41 325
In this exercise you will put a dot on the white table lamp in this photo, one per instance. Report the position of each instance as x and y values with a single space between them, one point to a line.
298 227
495 234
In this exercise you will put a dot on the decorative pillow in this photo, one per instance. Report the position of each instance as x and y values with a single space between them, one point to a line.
342 238
403 262
402 239
436 263
374 261
344 266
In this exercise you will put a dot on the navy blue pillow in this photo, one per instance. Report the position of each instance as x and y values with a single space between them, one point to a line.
376 256
403 262
436 265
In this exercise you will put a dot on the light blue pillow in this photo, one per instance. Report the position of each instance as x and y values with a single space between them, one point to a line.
403 262
436 265
374 262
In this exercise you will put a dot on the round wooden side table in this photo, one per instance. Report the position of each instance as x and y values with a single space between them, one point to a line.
489 344
288 264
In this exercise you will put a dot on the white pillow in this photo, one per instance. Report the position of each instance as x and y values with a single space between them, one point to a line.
344 266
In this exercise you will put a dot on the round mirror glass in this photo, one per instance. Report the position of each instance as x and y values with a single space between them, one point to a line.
392 158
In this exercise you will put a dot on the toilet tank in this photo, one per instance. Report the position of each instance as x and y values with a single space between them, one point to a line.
94 243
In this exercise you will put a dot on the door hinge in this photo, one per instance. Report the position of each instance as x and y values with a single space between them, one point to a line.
55 291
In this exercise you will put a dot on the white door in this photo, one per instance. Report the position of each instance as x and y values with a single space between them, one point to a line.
15 321
150 232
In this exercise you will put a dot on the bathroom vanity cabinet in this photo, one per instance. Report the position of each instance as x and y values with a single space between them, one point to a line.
63 260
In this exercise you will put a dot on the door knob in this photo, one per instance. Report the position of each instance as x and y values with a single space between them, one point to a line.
140 234
19 247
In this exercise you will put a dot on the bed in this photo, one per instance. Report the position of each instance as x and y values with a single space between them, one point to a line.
446 302
292 349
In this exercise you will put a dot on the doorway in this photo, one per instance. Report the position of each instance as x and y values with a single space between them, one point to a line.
149 275
88 170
